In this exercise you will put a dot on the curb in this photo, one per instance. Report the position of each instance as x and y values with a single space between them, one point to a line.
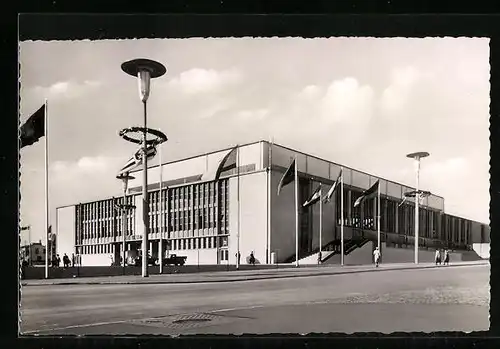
171 282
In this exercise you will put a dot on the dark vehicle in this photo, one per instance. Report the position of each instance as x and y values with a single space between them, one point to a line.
175 260
151 261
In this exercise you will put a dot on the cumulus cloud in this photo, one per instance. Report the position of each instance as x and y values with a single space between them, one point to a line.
396 96
254 114
85 176
198 80
65 89
347 101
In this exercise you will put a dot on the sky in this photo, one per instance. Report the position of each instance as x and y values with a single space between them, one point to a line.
361 102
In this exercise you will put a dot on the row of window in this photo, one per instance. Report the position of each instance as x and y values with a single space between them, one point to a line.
396 218
193 208
176 244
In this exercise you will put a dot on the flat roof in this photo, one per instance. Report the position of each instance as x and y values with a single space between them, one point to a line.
284 147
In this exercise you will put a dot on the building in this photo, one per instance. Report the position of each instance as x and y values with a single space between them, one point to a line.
201 218
33 253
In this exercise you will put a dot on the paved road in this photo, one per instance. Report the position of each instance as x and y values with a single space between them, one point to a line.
441 299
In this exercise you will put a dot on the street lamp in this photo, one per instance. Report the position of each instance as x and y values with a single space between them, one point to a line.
144 70
417 156
124 177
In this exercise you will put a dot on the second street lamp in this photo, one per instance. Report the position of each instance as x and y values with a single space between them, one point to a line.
417 156
125 177
144 70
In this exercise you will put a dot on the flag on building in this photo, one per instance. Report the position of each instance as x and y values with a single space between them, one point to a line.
34 128
402 202
288 177
367 193
227 163
136 160
315 197
329 195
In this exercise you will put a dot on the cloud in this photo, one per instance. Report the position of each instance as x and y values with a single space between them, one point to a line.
347 101
252 115
396 96
198 80
65 89
86 171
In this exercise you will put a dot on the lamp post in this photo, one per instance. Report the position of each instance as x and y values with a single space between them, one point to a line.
417 156
144 70
125 177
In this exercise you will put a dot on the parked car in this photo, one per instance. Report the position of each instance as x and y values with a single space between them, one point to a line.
151 261
174 260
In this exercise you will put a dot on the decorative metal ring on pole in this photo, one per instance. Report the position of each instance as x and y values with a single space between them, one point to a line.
158 136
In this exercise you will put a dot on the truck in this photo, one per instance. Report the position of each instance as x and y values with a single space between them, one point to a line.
174 260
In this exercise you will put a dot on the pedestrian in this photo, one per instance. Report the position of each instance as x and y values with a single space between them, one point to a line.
438 257
319 258
446 257
238 256
58 261
66 260
72 260
252 258
376 256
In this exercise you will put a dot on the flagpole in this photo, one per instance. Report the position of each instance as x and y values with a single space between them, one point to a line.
268 244
378 217
239 212
342 218
161 212
296 215
46 124
320 218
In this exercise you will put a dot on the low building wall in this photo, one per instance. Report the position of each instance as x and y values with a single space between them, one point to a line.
364 255
35 273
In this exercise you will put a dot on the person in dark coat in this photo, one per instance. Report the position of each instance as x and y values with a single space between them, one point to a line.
66 261
446 257
252 259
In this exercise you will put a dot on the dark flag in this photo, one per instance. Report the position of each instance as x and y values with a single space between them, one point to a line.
314 197
288 177
329 195
34 128
366 194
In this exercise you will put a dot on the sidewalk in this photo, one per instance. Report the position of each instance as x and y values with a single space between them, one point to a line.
241 275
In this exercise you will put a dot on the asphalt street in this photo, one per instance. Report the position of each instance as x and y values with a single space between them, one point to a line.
439 299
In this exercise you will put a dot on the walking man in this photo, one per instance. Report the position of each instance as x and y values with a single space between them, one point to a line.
446 257
376 256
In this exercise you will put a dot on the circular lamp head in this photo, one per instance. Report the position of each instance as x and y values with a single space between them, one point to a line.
144 70
125 177
421 193
418 155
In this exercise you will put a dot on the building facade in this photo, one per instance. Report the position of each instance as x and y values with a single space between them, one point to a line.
207 220
33 253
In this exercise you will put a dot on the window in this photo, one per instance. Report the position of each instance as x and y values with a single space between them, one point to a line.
37 250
